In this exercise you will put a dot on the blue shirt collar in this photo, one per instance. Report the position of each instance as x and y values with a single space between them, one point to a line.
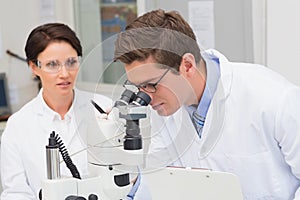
212 79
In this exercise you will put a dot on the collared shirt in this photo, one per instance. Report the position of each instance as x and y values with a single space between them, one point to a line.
213 75
252 132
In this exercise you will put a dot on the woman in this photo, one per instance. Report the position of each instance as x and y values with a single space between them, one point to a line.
53 53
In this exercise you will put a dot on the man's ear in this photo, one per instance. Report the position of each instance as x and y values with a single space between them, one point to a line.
188 64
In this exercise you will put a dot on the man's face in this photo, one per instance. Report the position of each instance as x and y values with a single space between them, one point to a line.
172 90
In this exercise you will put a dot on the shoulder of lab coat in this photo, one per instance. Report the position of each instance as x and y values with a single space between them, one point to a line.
18 131
276 102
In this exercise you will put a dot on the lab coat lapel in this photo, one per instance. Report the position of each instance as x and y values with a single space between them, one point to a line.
183 137
216 115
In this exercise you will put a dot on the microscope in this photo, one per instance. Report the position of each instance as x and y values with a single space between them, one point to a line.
114 156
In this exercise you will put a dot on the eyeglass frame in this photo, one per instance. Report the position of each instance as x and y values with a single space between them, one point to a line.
145 85
38 63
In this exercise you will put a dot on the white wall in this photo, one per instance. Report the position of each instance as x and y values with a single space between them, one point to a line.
259 31
276 36
283 38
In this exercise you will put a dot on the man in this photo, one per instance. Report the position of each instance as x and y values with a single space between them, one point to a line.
233 117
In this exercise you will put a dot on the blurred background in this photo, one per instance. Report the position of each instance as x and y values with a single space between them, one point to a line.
258 31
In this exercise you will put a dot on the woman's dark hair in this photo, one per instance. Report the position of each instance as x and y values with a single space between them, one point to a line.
43 35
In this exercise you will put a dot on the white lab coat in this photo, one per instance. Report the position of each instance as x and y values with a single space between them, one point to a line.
23 154
252 129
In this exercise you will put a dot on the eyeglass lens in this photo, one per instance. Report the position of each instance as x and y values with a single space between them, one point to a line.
55 65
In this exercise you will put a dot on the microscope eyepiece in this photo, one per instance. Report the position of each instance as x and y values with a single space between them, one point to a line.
141 99
132 102
126 97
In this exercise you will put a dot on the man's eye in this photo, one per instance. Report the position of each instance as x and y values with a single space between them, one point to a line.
144 86
147 86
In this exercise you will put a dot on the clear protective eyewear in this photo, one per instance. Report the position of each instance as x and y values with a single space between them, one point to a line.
54 66
147 87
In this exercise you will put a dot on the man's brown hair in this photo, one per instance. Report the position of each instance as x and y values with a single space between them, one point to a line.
164 35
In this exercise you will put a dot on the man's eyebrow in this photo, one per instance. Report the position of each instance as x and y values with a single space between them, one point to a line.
149 80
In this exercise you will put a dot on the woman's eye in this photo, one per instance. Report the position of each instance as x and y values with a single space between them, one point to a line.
52 64
71 62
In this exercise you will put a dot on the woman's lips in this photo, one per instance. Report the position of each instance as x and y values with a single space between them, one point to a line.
64 84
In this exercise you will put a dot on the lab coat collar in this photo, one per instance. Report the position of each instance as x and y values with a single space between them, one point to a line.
216 112
42 108
211 134
226 73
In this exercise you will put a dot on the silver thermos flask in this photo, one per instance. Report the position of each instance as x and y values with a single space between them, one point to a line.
52 156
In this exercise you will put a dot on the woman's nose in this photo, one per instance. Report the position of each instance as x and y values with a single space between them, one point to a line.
63 71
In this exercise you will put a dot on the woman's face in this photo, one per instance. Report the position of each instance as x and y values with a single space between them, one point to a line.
61 83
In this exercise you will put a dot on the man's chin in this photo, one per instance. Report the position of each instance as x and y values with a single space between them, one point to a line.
164 112
161 112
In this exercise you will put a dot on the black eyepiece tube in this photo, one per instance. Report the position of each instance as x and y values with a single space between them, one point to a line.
126 97
141 99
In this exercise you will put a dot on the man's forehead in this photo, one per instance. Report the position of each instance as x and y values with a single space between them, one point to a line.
143 72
